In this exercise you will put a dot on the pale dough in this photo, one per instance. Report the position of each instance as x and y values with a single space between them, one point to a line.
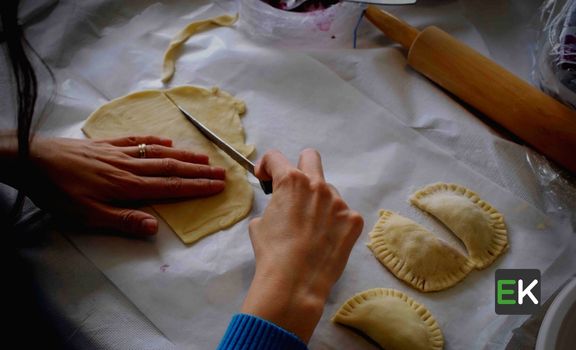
478 224
391 319
151 113
168 64
415 255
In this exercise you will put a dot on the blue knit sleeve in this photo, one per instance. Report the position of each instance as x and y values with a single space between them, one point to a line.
249 332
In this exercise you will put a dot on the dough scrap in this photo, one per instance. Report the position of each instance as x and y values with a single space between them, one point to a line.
479 225
151 113
392 319
168 64
415 255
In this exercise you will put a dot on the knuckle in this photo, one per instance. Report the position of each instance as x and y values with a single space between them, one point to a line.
152 150
294 177
168 166
339 204
128 219
320 187
356 219
132 139
173 184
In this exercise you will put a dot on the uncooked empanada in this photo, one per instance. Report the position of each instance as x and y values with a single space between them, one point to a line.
392 319
415 255
479 225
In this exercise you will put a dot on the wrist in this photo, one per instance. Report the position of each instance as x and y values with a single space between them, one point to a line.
288 305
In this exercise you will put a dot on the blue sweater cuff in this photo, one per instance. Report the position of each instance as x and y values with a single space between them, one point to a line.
251 332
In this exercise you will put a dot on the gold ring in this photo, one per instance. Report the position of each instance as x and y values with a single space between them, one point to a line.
142 150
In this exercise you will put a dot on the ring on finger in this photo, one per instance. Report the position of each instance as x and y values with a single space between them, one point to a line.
142 150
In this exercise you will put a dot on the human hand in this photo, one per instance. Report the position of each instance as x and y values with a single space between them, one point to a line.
301 243
99 183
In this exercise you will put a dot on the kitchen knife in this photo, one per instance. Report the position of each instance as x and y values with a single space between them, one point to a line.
229 150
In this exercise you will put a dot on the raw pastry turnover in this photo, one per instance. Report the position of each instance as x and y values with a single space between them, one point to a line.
479 225
392 319
415 255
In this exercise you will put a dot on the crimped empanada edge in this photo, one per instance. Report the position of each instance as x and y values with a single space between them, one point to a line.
498 244
435 335
395 264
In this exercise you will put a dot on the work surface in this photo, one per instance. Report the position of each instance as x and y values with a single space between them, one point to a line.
383 130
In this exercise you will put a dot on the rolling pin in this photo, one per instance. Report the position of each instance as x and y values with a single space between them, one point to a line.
538 119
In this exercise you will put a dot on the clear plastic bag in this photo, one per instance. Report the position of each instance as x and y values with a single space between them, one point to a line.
555 73
555 58
329 28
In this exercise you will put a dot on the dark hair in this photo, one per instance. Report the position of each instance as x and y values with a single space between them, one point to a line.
26 82
23 72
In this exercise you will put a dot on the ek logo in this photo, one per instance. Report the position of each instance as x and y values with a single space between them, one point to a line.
517 291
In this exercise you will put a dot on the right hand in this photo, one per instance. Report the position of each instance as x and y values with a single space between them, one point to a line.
301 243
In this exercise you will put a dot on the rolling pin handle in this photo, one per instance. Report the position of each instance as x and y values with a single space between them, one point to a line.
394 28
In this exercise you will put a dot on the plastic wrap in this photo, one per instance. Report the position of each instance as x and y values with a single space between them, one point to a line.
555 73
555 69
329 28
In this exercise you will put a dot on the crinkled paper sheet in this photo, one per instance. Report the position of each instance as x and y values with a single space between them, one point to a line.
343 103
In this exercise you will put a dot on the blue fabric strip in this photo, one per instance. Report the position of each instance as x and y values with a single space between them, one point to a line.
250 332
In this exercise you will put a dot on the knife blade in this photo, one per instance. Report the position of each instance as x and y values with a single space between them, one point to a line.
223 145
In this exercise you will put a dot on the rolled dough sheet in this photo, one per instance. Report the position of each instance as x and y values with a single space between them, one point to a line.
151 113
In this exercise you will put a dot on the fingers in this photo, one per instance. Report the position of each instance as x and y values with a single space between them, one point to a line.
158 151
175 187
273 165
311 164
131 221
173 167
137 140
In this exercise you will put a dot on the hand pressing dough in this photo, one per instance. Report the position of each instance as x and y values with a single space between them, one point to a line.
168 65
479 225
151 113
415 255
392 319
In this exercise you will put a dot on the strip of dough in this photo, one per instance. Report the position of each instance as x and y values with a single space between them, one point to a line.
392 319
168 64
151 113
478 224
415 255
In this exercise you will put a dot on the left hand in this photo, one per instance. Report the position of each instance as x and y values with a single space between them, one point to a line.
101 182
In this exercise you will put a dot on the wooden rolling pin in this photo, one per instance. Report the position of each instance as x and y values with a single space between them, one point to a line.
538 119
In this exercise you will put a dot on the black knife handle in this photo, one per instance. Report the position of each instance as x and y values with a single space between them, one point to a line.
266 186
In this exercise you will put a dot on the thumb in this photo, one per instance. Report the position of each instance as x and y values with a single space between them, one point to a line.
127 220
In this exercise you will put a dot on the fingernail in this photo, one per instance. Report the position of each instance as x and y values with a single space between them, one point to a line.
149 226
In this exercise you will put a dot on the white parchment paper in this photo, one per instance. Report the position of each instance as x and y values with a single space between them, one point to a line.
294 101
